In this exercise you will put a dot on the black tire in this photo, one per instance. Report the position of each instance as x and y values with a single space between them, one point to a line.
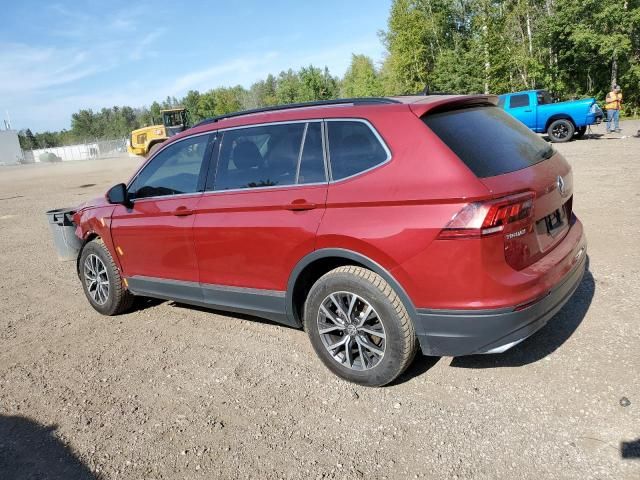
153 149
580 132
400 342
561 130
118 299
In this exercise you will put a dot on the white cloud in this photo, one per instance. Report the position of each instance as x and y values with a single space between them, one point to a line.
26 69
218 75
143 48
246 70
40 92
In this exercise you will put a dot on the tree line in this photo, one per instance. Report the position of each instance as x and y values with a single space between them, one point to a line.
573 48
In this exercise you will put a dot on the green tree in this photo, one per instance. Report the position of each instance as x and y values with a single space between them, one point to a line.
84 124
190 102
361 78
156 114
27 139
591 45
418 31
228 99
288 87
206 105
262 93
316 84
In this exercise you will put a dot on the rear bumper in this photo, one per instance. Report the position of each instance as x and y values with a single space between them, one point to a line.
594 118
463 332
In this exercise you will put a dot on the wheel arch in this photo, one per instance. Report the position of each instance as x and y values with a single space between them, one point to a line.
91 236
317 263
152 143
559 116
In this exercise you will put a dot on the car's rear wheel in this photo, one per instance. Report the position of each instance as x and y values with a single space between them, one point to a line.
359 327
101 280
561 130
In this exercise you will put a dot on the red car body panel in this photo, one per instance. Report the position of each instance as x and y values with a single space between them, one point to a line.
151 240
254 238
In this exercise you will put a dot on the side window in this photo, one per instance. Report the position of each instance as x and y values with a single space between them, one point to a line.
353 148
519 101
262 156
312 158
174 170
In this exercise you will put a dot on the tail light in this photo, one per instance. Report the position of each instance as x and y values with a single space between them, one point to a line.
480 219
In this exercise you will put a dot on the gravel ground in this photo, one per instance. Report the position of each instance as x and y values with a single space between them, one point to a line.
173 392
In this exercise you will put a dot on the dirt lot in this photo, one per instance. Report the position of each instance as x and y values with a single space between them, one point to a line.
172 392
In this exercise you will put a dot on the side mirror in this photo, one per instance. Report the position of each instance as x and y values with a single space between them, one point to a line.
118 194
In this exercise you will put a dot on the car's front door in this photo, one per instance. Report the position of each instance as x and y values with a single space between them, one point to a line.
260 213
153 236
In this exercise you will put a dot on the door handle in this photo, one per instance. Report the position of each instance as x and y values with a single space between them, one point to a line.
182 212
528 110
300 204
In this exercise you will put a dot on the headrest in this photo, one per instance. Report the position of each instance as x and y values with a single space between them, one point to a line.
246 155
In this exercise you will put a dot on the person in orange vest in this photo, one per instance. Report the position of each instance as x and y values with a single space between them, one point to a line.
613 103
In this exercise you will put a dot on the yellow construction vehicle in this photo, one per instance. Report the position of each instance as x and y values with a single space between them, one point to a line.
146 140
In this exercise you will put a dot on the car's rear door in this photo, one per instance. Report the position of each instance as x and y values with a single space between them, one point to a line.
521 106
260 214
153 236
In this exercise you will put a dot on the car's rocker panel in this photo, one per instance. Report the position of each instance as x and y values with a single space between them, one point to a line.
268 304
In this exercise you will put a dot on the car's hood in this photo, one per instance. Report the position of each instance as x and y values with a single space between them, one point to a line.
93 203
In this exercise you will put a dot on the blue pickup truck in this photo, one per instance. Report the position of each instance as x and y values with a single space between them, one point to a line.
562 121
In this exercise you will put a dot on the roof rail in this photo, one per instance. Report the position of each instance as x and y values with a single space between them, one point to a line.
318 103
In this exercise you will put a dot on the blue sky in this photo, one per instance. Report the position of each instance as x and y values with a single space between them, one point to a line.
56 58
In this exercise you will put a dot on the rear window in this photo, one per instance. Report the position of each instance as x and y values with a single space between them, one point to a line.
544 98
488 140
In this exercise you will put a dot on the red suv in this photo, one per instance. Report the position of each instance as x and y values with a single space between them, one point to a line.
376 224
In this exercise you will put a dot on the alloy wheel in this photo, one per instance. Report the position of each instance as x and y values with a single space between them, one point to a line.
96 279
351 330
560 131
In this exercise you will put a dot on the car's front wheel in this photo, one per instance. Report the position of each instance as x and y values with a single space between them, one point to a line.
359 327
101 280
561 130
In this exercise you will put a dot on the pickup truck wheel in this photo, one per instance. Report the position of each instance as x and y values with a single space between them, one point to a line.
561 130
580 132
101 280
359 327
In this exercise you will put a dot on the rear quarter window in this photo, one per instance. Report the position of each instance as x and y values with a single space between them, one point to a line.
488 140
353 148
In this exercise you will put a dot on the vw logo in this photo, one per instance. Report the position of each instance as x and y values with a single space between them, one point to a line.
561 186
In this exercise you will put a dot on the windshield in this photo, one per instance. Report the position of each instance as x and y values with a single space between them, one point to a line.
172 119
